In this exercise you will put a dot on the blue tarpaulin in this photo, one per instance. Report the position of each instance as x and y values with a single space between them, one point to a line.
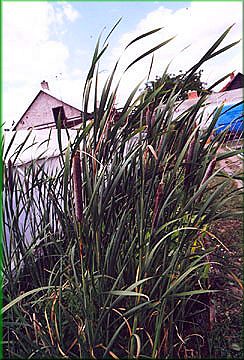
232 116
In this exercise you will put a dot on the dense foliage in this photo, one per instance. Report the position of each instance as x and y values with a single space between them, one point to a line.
170 81
116 261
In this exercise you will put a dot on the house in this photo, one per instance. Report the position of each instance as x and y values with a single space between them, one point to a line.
45 110
231 114
236 82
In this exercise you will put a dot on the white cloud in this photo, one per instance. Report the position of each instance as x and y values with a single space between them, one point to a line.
199 25
30 52
70 13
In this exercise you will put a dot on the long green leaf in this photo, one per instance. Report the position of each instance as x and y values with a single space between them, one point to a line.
23 296
149 52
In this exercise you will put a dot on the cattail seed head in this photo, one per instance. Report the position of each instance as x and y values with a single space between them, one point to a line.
209 171
158 198
148 118
145 157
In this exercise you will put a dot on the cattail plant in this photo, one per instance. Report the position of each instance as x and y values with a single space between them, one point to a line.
209 170
134 292
158 198
148 119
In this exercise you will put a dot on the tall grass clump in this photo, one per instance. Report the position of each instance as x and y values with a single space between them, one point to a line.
104 255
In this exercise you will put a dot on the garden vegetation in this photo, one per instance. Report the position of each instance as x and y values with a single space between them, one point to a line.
116 262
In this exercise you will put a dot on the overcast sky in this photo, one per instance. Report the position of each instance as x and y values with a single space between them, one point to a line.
54 41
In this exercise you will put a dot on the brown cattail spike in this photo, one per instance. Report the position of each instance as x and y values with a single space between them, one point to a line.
76 166
148 118
209 171
158 198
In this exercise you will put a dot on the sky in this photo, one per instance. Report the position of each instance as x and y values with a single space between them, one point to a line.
54 41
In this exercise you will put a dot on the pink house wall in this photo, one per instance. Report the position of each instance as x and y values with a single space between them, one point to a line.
40 112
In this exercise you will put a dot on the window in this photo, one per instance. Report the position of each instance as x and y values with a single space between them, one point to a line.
59 116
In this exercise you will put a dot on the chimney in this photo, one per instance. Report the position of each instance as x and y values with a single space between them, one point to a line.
192 94
44 85
232 75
